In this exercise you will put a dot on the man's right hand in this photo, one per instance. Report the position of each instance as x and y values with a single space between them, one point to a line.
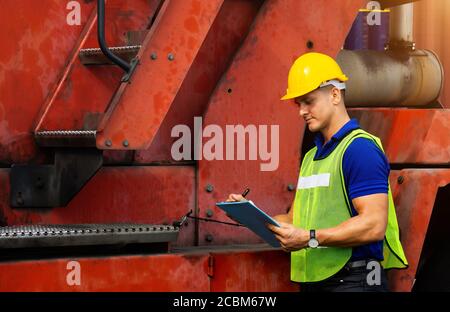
235 197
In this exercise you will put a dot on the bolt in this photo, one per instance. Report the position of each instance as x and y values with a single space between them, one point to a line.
39 183
209 213
108 143
209 188
154 56
125 143
209 238
291 187
400 179
171 57
20 200
309 44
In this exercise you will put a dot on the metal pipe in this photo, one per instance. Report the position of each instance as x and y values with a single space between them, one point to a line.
392 3
101 38
391 78
401 23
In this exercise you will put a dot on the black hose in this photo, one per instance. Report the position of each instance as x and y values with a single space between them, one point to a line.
101 38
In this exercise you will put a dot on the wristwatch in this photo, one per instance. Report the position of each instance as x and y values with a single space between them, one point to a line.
313 242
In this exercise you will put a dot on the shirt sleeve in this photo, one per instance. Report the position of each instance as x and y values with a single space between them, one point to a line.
365 168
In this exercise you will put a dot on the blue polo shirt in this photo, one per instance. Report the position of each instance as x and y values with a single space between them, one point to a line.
366 171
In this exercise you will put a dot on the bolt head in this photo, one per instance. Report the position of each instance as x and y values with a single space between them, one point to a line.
400 179
209 238
20 201
108 143
154 56
209 213
170 57
291 187
125 143
209 188
40 184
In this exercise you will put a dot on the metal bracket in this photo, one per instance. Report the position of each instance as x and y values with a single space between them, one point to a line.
53 185
134 64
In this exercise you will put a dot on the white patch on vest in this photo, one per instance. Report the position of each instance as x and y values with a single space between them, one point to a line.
315 180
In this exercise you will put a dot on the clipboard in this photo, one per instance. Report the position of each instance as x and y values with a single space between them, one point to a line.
253 218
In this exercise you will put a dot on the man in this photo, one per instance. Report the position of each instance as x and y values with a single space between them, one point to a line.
342 223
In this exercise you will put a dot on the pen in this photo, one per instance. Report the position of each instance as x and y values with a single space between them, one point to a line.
247 190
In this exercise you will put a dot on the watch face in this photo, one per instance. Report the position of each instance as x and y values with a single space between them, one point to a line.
313 243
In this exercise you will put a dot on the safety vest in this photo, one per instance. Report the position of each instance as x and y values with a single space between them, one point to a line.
321 202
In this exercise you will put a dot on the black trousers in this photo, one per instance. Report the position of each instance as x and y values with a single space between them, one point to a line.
350 280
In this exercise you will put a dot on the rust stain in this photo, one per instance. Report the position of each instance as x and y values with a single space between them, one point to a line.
191 25
196 7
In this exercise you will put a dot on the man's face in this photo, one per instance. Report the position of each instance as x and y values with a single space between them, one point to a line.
317 107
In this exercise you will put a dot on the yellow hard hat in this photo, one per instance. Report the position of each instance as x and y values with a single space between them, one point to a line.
309 72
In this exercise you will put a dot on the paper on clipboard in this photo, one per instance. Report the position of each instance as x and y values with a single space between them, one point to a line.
253 218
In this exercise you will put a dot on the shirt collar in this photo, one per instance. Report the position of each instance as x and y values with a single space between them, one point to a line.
351 125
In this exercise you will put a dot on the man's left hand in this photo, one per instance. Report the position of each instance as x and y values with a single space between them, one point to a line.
290 237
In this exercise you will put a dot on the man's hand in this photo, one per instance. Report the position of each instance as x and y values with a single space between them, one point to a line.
290 237
235 197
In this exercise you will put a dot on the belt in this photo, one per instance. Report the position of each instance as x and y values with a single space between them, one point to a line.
358 264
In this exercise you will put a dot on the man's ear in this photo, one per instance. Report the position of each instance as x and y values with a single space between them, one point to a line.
336 96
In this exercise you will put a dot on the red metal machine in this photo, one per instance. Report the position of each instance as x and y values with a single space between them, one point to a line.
86 142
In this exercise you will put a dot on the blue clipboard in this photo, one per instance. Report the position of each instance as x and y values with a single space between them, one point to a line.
252 217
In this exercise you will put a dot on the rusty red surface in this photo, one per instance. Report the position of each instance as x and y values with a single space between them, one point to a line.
136 116
158 195
217 51
249 94
412 136
252 271
36 43
74 99
124 273
414 197
191 270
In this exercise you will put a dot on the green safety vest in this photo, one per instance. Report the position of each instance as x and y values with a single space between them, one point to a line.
321 202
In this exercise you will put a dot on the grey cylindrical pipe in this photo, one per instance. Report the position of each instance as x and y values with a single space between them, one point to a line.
401 23
391 78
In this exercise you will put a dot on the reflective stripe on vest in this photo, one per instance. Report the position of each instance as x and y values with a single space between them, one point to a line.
321 202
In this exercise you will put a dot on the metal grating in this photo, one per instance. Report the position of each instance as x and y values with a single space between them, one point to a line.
94 56
85 234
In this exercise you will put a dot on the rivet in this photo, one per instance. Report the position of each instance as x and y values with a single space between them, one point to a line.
171 57
400 179
154 56
39 183
209 238
291 187
108 143
209 188
125 143
19 199
309 44
209 213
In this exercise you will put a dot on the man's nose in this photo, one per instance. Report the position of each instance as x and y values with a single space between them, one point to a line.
302 110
